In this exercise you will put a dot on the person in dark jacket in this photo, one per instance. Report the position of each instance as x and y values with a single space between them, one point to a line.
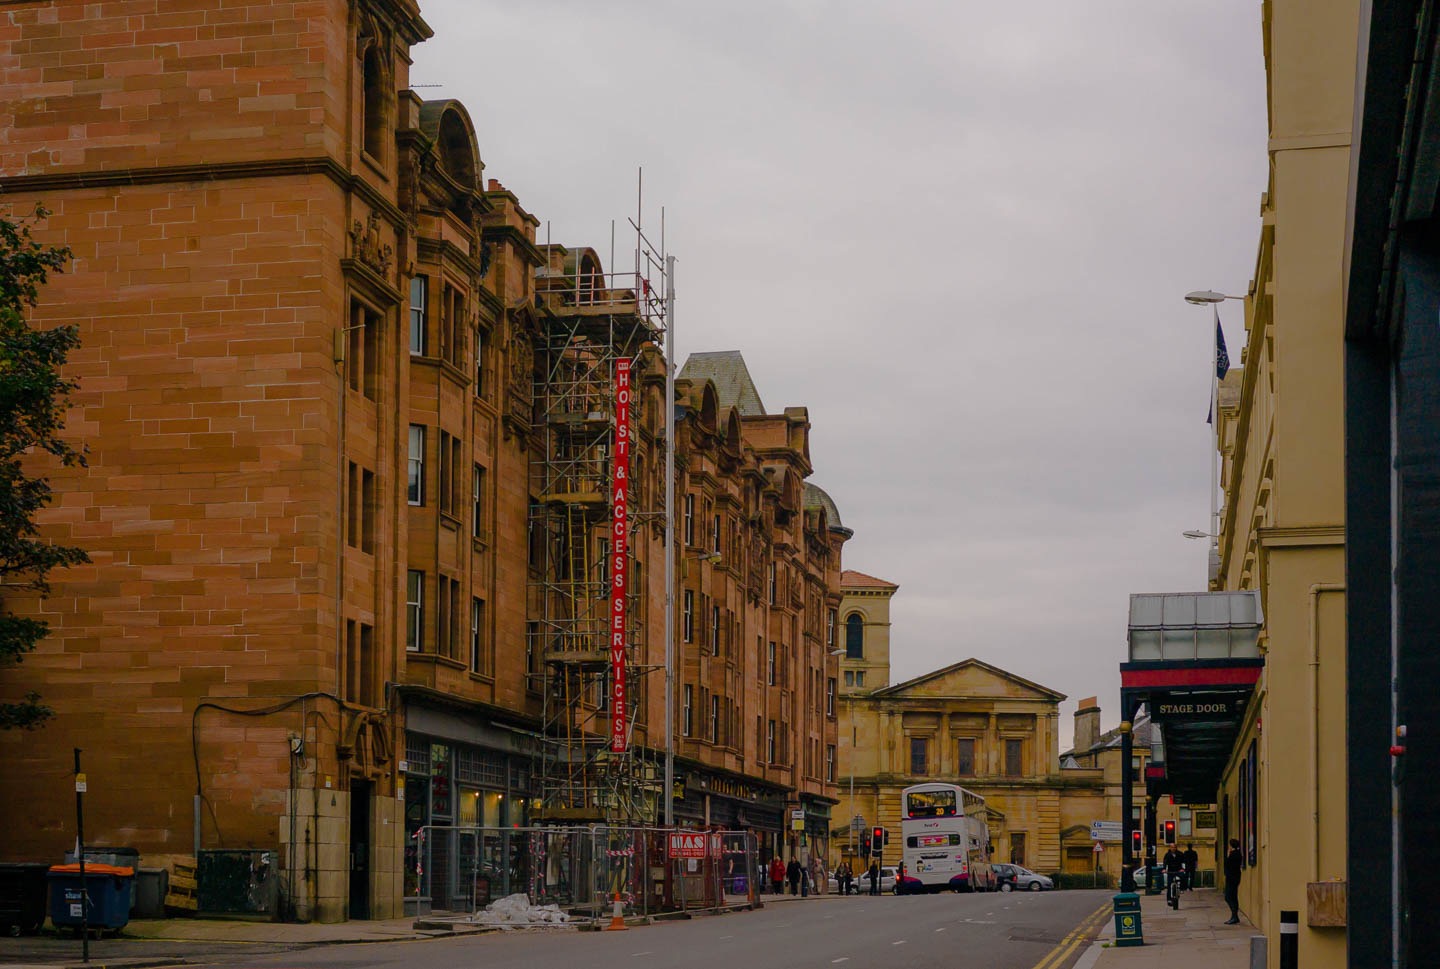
793 874
1234 861
1192 863
874 876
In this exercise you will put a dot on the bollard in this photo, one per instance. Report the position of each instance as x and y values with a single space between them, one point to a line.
1259 951
1289 940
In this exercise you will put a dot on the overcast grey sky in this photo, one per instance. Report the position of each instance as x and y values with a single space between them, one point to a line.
959 233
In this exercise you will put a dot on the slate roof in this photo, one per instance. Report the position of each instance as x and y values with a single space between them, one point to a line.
815 497
727 371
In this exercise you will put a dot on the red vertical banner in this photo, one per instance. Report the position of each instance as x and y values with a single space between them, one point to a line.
619 529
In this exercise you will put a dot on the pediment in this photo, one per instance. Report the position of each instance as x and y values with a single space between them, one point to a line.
971 678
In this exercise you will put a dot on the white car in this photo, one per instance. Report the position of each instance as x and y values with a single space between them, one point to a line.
862 881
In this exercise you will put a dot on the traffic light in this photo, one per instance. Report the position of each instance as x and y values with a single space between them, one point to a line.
865 844
878 839
1136 844
1169 832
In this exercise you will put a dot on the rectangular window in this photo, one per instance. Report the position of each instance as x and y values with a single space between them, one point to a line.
362 357
479 655
830 763
419 313
535 536
965 756
352 504
830 618
1017 848
770 742
714 719
532 656
687 711
689 520
480 350
860 678
919 755
715 630
415 493
1014 758
849 677
770 664
687 617
830 696
449 451
772 583
1186 826
477 502
452 325
414 609
715 536
447 614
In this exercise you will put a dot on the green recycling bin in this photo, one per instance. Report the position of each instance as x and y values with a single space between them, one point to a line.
1127 919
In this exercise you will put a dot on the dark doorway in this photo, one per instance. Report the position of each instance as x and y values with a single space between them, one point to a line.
360 849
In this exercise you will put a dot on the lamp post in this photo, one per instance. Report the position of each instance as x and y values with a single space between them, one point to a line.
1208 297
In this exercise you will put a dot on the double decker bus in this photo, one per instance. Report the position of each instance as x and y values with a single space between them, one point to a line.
945 843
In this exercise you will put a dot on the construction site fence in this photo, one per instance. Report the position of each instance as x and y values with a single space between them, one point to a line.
584 870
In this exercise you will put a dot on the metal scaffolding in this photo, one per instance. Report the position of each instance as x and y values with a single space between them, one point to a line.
589 319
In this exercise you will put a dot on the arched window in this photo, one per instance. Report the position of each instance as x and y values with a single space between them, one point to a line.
854 636
373 122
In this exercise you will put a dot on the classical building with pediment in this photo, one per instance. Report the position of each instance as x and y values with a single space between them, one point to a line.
969 723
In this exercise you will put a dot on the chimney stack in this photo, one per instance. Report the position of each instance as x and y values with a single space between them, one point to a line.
1087 724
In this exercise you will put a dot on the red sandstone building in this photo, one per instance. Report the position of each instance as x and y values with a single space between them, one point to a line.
326 384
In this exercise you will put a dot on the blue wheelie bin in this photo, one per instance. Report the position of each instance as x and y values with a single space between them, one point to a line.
109 887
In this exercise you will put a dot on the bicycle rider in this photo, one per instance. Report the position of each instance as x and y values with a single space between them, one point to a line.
1174 862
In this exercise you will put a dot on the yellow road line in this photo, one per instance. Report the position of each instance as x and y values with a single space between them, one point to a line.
1061 952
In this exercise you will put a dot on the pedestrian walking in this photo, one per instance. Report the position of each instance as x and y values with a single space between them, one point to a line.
792 872
874 874
804 881
1234 861
777 876
1192 863
842 877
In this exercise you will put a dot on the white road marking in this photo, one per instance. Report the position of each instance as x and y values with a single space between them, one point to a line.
901 942
724 937
841 959
642 953
941 929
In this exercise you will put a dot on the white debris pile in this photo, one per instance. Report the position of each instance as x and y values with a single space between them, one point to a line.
515 911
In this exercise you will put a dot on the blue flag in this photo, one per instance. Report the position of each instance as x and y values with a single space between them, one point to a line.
1222 356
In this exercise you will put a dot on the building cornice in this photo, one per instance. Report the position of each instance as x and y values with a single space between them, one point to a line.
1303 536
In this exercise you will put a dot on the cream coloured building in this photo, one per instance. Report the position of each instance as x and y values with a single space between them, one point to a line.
969 723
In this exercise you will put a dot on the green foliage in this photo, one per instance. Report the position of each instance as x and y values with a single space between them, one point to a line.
32 414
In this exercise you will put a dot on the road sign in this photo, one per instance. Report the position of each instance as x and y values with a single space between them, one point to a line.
857 824
1107 831
1099 847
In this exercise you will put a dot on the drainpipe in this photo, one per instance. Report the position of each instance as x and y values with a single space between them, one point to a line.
1314 688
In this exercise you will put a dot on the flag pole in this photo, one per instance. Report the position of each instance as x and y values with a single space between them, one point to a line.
1214 377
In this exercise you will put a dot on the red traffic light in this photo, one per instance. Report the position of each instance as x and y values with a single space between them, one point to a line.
1135 842
877 838
1169 832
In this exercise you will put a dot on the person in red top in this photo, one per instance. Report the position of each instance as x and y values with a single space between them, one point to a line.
777 875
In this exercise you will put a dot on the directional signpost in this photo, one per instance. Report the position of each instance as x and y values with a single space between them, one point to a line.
1107 831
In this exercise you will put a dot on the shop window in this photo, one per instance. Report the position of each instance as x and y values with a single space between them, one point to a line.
854 636
965 756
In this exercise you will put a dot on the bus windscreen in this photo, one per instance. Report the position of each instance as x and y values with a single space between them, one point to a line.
930 804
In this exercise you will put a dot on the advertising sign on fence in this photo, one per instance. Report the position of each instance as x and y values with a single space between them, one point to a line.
619 525
687 844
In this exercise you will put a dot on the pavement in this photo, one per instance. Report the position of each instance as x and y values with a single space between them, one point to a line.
1195 937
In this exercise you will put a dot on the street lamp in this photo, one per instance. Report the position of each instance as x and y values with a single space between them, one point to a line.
1211 298
1197 533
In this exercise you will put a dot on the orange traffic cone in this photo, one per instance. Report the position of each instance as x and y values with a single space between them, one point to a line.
617 919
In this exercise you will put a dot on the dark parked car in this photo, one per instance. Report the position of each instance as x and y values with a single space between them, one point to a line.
1017 878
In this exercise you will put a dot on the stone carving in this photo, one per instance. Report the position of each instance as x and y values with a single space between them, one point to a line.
368 246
